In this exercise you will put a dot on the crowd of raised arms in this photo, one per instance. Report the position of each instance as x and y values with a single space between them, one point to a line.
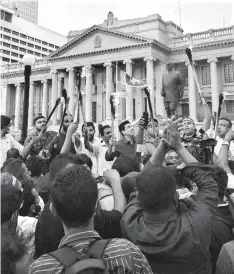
158 200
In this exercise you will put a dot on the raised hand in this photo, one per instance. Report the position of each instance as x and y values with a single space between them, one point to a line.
72 128
142 123
171 136
111 176
44 154
229 136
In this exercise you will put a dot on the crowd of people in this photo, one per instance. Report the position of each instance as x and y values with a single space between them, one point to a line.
159 200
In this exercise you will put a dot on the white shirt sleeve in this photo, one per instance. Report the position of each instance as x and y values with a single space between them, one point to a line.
16 145
230 183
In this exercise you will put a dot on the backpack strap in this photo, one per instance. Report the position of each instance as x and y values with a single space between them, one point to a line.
86 264
97 248
66 255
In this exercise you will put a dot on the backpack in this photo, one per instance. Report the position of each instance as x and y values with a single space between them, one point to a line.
90 264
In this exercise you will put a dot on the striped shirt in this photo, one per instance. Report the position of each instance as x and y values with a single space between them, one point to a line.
120 255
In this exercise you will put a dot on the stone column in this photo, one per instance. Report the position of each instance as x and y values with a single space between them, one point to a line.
17 105
31 104
60 107
192 93
71 90
214 83
54 95
88 93
45 98
109 89
150 78
129 90
3 98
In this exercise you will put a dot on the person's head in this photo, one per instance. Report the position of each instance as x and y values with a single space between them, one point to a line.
8 179
169 66
224 126
90 130
172 158
105 132
150 128
85 161
59 163
126 129
125 165
17 168
74 196
11 200
5 125
34 165
39 122
68 119
128 183
13 153
156 188
14 256
189 126
221 178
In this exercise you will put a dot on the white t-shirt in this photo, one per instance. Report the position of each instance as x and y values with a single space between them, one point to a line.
8 142
100 149
93 156
210 133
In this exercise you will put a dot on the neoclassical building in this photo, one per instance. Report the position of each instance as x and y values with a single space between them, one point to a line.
141 47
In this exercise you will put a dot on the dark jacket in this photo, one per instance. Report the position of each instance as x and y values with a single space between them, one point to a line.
176 240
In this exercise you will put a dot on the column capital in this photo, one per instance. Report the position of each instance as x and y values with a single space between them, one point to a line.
150 58
187 63
32 83
44 81
128 61
53 71
108 64
232 57
70 69
17 84
61 76
212 59
88 67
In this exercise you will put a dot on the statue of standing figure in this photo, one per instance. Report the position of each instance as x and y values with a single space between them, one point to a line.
172 89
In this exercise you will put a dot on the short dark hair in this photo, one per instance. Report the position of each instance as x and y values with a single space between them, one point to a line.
221 178
155 120
13 249
13 153
156 188
60 163
14 166
102 128
34 165
74 195
122 126
5 121
11 199
226 119
37 118
89 124
125 165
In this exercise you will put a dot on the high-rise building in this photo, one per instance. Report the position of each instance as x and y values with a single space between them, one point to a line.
18 37
27 10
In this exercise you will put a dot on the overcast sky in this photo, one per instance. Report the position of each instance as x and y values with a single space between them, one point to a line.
65 15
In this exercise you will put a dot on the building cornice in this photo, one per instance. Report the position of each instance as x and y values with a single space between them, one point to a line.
21 73
99 52
203 45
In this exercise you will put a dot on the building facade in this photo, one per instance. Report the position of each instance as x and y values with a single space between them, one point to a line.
18 37
141 47
27 10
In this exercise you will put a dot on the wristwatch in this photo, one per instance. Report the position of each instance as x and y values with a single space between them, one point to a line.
226 143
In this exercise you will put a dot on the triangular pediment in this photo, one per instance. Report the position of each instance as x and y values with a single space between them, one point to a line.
98 39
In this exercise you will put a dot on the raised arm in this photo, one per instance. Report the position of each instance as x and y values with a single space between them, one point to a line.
67 143
224 151
207 113
113 179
